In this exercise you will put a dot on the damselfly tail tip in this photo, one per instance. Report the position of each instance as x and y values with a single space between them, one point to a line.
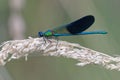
104 32
99 32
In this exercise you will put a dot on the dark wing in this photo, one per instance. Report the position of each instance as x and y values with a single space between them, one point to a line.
80 25
77 26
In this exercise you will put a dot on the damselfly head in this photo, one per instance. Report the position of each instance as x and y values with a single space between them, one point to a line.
40 34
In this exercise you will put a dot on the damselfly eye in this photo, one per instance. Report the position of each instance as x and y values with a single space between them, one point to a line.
40 34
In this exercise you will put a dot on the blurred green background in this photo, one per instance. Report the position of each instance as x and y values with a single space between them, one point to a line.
40 15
